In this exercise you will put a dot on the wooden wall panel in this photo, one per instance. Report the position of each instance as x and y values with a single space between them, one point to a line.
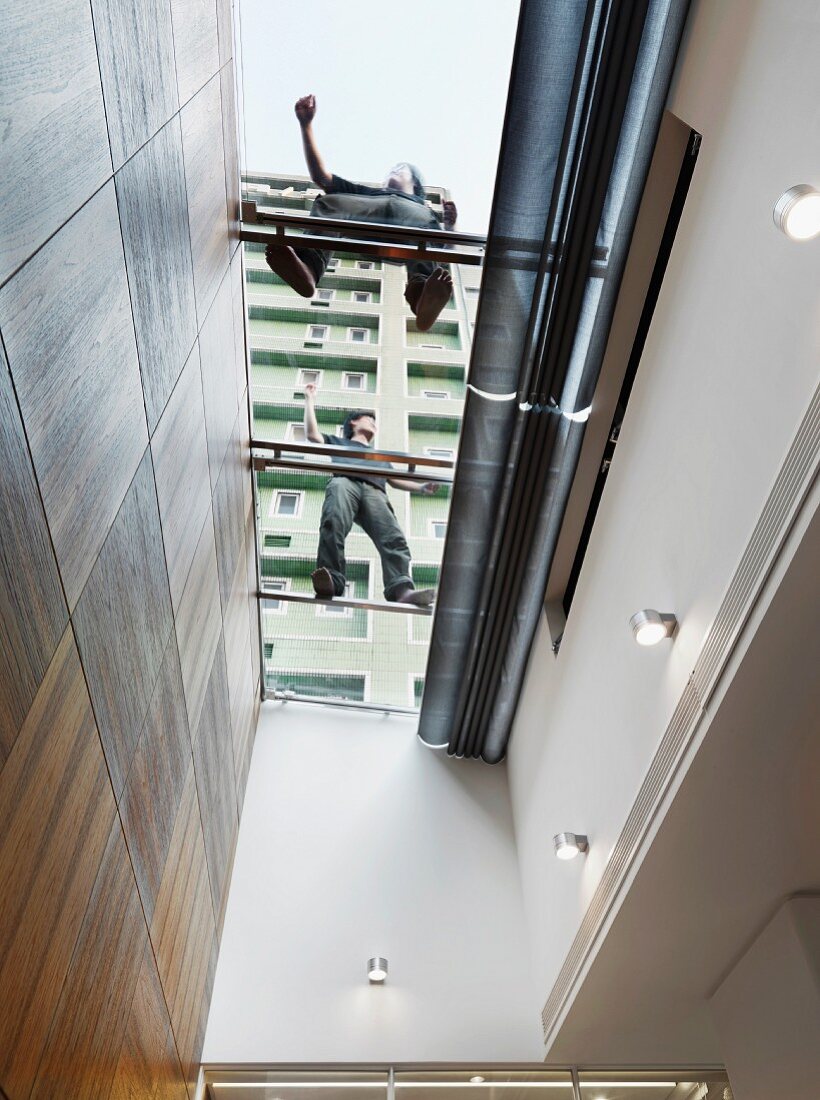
69 336
205 179
123 623
229 515
56 811
237 289
89 1025
149 803
32 609
195 41
199 622
154 218
53 122
216 348
216 780
136 51
148 1067
224 22
182 933
230 139
180 452
253 603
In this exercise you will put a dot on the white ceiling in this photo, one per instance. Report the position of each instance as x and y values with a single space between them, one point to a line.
742 835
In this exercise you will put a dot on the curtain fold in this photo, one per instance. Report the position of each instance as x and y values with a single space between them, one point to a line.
587 90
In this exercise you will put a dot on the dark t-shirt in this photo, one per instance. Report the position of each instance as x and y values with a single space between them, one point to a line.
354 445
340 186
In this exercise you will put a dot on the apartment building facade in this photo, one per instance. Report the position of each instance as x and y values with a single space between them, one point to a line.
356 340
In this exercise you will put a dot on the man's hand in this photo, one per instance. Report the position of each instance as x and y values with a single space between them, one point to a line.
305 109
450 213
428 488
310 391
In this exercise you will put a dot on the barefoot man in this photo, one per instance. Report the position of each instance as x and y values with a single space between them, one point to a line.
361 499
399 202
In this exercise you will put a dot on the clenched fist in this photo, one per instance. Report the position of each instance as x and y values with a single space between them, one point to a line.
305 109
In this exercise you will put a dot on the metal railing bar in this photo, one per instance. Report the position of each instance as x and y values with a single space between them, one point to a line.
282 447
355 247
352 228
334 469
269 596
350 704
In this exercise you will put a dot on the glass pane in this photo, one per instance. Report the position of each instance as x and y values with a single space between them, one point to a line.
272 1084
654 1085
371 356
480 1084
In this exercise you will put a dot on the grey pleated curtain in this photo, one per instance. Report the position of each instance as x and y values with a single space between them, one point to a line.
587 90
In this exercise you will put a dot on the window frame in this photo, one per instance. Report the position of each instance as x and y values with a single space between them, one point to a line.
431 527
317 339
319 294
337 612
358 328
300 378
282 606
437 395
450 454
365 265
354 374
290 437
365 301
273 511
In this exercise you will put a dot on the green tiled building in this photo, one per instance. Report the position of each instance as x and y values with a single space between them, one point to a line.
357 341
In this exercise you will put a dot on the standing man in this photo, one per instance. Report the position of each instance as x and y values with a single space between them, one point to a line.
362 499
400 201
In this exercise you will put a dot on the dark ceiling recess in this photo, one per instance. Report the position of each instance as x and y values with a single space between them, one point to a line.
586 97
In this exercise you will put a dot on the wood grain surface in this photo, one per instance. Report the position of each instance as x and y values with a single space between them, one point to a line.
135 46
56 811
230 140
180 452
69 337
33 613
237 289
237 629
253 603
217 359
148 1067
229 516
89 1026
196 44
216 780
149 803
182 933
207 202
123 622
53 122
199 622
154 217
244 729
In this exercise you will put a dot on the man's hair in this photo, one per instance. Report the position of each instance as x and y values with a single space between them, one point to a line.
418 181
347 427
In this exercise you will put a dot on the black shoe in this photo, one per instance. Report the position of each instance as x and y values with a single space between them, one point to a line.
323 584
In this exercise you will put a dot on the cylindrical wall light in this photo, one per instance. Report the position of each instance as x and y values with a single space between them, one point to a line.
797 212
376 969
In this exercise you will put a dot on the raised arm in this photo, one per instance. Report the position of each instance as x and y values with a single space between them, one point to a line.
312 432
306 111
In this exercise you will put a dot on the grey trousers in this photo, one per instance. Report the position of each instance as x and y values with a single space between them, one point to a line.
389 209
348 502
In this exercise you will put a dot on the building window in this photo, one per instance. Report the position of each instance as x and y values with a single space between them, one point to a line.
438 528
323 295
440 452
439 394
358 335
362 296
364 265
435 347
276 607
295 432
332 264
337 609
309 378
353 381
472 289
286 503
317 332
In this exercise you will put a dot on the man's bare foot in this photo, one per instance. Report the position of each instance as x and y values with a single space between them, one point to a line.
434 298
323 583
284 262
419 597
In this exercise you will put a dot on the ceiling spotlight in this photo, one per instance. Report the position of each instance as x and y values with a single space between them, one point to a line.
568 845
376 969
797 212
651 627
477 1080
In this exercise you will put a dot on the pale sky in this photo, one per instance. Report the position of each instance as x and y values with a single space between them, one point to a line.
424 81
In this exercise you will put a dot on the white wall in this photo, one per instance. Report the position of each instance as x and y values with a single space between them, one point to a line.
729 368
356 840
